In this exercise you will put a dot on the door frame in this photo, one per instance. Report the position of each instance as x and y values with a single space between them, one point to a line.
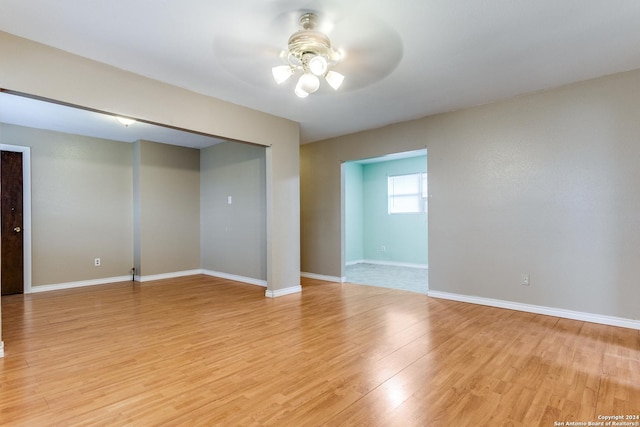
343 191
26 209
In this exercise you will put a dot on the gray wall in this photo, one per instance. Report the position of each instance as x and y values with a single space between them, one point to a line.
167 227
81 204
140 205
543 184
234 235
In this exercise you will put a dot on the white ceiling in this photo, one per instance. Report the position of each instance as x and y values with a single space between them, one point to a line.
23 111
403 60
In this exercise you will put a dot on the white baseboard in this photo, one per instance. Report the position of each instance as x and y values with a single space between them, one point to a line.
243 279
79 284
323 277
282 292
168 275
1 349
249 280
389 263
537 309
236 278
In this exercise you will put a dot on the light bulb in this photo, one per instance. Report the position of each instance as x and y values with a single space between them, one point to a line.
318 65
334 79
281 73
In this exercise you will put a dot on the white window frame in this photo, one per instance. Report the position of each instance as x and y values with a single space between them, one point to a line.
419 197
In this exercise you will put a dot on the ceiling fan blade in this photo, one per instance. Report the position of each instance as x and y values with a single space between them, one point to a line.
248 61
364 65
371 50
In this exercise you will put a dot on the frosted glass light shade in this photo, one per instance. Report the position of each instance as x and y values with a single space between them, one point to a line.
309 83
334 79
300 92
318 65
281 73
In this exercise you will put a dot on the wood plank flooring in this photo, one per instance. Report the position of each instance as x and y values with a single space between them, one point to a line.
207 351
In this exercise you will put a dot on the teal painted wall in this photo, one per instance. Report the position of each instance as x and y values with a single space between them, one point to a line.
353 212
404 236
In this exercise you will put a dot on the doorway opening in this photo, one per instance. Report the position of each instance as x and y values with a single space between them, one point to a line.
69 138
385 225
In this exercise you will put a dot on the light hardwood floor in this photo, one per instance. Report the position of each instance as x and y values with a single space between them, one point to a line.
208 351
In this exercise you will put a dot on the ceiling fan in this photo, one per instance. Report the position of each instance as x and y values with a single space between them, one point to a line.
278 41
309 52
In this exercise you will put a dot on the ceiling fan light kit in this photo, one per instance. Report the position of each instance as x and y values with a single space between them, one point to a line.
310 54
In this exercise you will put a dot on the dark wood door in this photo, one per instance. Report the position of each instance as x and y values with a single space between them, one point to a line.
12 255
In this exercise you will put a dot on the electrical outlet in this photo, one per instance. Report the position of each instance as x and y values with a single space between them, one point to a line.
524 279
96 262
383 248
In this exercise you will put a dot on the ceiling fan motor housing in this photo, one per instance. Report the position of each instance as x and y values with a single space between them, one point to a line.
305 42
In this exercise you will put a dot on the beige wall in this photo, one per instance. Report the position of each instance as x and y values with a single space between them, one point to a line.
234 234
167 227
47 72
81 203
543 184
283 225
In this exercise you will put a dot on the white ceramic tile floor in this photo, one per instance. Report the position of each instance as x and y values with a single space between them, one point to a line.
405 278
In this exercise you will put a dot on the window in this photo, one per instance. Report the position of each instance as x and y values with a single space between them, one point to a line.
407 193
